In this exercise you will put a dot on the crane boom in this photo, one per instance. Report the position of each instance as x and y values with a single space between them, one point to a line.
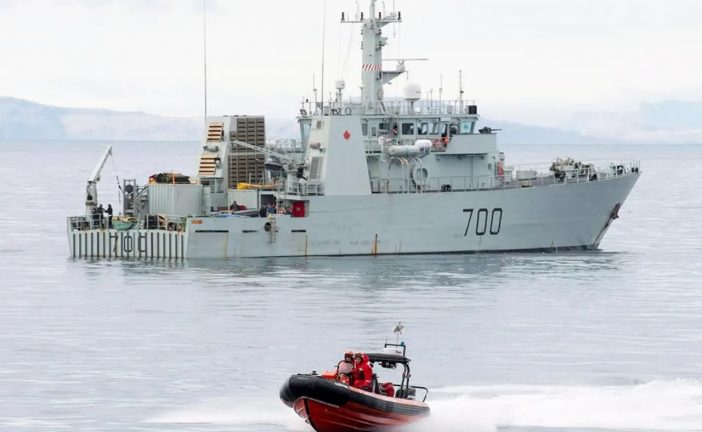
95 176
91 199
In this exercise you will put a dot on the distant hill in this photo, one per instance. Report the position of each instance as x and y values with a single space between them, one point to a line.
515 133
21 119
659 122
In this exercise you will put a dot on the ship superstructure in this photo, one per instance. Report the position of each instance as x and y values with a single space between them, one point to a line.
371 176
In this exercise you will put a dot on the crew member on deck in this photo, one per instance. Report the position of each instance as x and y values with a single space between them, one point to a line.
362 372
444 139
270 209
100 216
109 215
344 372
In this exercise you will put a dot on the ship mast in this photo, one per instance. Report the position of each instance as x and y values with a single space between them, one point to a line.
373 75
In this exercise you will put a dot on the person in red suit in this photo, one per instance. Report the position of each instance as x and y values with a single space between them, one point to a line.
362 372
344 370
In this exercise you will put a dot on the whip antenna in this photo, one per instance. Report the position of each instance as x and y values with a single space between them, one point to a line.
119 184
204 54
324 32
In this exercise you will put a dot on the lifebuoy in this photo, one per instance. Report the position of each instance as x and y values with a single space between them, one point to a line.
419 175
347 111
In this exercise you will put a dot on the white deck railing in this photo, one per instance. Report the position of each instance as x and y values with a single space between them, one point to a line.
147 222
525 176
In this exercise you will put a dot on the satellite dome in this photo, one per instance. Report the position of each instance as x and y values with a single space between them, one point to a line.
413 92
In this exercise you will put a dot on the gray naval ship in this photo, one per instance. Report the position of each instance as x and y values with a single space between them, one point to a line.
368 176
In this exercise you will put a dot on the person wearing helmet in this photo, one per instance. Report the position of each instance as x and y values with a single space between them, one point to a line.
344 370
362 373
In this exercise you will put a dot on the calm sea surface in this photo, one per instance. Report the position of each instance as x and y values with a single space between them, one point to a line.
607 340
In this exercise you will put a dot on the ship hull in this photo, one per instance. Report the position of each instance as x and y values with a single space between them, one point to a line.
558 217
329 406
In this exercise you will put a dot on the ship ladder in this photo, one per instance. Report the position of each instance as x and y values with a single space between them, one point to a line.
208 160
208 165
274 228
215 131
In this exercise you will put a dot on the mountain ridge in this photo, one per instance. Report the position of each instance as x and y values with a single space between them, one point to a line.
19 119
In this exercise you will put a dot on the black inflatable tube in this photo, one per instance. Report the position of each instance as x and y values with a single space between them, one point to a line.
337 394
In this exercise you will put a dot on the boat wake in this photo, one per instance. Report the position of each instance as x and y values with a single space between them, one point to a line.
234 412
657 405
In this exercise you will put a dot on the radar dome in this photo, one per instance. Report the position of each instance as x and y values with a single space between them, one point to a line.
340 84
413 92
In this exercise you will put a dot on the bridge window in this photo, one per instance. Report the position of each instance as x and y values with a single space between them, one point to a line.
407 128
435 126
423 128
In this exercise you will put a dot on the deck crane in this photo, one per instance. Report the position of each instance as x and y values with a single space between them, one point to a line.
91 192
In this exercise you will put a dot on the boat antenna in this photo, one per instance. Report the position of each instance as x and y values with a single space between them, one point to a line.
204 54
460 88
394 26
314 90
119 184
324 32
398 331
441 88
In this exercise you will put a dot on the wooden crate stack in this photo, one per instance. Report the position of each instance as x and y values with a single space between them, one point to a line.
247 165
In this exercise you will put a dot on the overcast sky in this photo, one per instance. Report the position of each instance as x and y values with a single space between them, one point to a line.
534 61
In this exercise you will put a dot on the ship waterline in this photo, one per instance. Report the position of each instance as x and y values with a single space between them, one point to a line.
559 217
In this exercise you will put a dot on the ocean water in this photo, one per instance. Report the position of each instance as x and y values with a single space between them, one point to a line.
609 340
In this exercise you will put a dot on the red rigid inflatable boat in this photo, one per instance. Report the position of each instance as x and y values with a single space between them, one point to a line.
329 403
